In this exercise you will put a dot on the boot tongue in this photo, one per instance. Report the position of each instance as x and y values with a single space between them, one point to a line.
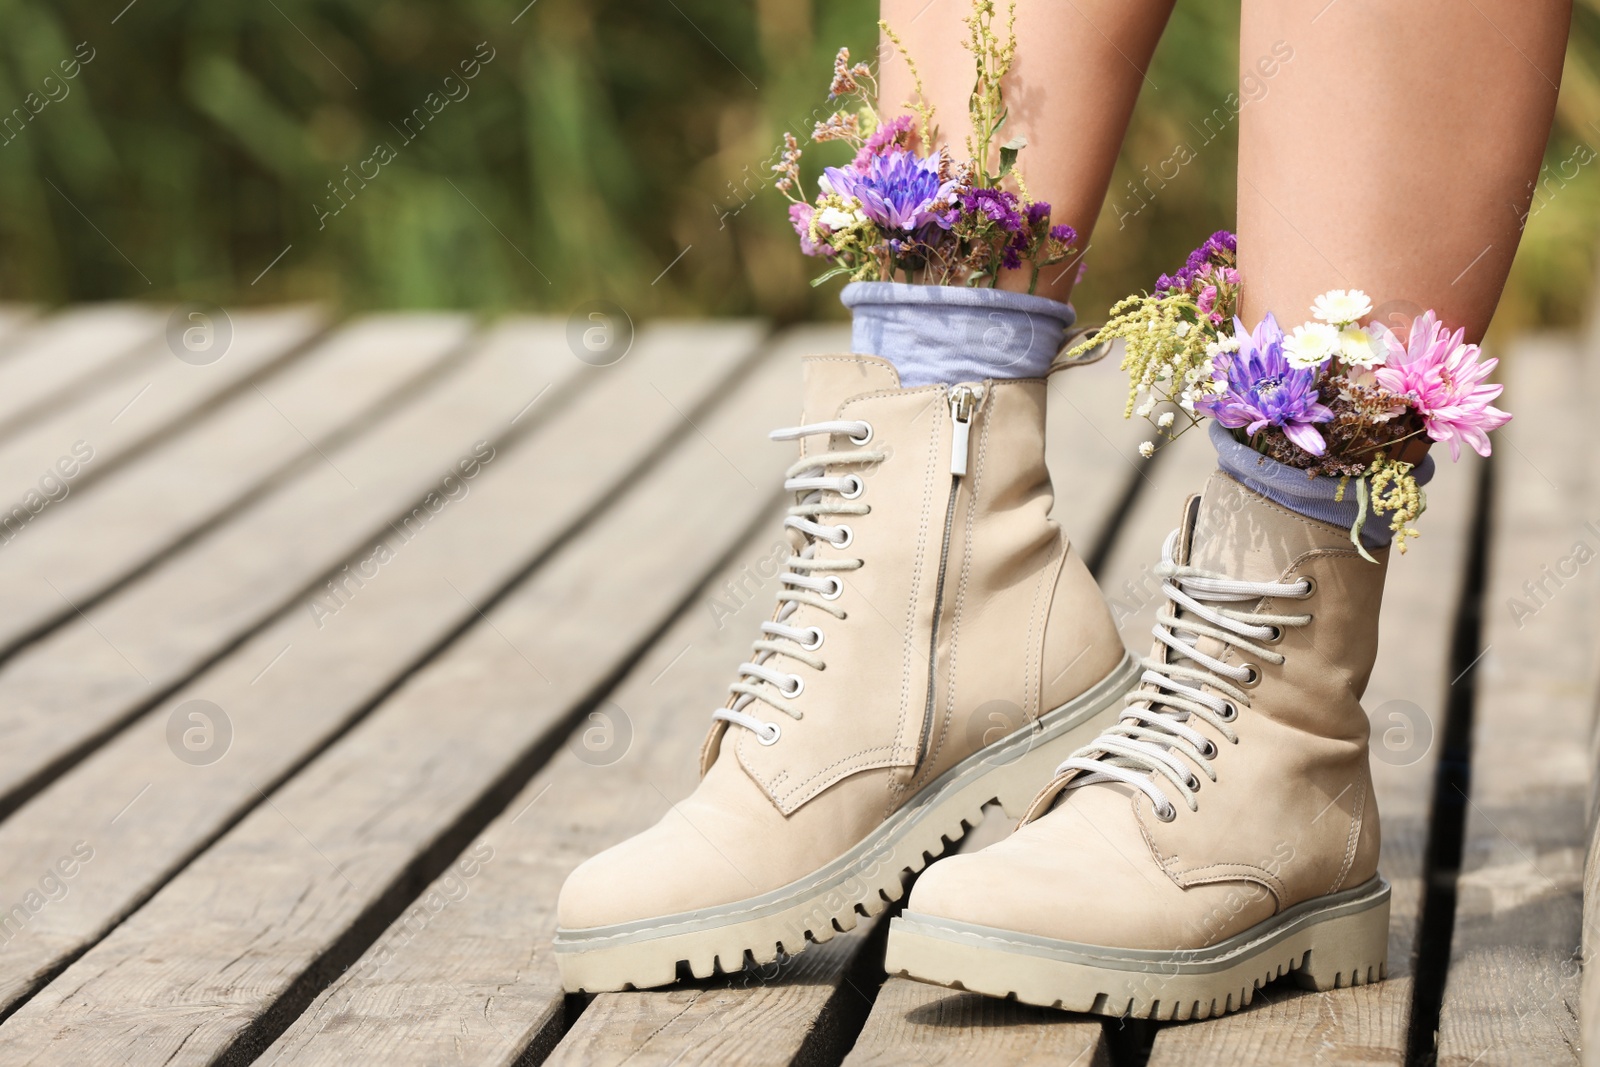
1241 534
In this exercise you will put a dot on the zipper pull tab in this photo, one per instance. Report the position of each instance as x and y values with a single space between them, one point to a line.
963 401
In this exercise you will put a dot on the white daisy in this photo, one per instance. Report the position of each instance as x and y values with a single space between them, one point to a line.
1360 347
1147 449
1310 344
1341 306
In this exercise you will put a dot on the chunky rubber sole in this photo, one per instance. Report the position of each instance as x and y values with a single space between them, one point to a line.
862 882
1333 941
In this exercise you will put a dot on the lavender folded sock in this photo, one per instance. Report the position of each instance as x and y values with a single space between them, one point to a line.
942 334
1311 497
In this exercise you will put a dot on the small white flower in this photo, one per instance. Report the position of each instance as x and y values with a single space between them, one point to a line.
1360 347
1165 420
835 219
1146 408
1226 343
1147 449
1341 306
1183 328
1310 344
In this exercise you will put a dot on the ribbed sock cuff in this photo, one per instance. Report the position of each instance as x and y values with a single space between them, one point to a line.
942 334
1312 497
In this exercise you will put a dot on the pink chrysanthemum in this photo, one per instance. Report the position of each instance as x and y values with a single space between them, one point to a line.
1443 380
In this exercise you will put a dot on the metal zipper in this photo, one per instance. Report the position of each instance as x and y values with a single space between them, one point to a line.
964 400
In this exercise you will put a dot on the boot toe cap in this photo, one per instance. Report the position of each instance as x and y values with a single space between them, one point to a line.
1081 874
668 869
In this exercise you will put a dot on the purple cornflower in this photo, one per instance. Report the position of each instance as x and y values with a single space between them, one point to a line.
1262 389
900 191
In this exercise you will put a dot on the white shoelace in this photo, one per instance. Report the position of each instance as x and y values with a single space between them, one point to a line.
759 679
1147 746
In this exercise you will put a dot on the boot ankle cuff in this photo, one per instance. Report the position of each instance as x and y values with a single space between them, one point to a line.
1312 497
943 334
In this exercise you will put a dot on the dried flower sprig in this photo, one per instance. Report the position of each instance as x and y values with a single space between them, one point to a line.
904 207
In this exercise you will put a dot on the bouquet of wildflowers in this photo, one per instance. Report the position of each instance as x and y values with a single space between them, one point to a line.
1332 397
904 208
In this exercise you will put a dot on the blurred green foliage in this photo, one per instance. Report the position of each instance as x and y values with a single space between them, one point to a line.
602 149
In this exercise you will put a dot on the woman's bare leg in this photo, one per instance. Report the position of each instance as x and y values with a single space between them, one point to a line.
1079 67
1396 153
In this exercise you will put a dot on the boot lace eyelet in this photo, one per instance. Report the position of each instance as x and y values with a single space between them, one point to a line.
769 734
1275 636
813 640
835 588
1253 677
1167 814
1229 712
844 540
1193 783
857 487
1311 588
1208 750
865 437
796 687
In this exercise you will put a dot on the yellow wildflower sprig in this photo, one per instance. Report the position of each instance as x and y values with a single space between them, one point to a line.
926 131
1165 355
994 58
1387 486
1395 490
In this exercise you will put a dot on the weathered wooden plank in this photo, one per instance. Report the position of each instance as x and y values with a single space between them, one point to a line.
1512 989
914 1023
402 1003
151 397
15 320
1406 701
54 565
1091 449
71 353
147 801
130 649
403 778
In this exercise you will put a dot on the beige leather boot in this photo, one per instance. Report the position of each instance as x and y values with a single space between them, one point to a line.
1223 832
938 644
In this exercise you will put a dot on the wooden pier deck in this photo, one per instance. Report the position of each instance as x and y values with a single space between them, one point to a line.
325 657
